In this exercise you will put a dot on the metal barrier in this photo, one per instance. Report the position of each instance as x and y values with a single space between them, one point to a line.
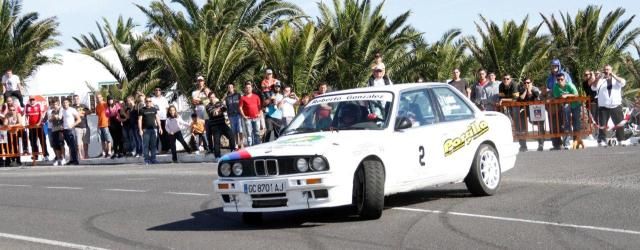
10 143
546 119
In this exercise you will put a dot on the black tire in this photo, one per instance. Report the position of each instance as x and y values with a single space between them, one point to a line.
252 218
474 180
368 190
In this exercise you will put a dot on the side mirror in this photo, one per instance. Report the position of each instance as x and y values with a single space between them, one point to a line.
403 122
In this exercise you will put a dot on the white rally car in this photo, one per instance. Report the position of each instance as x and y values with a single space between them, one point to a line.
353 147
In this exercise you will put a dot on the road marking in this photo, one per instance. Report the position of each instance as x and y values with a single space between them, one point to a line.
548 223
48 242
126 190
140 179
68 188
192 194
14 185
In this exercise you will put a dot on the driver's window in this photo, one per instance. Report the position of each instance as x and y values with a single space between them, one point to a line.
416 105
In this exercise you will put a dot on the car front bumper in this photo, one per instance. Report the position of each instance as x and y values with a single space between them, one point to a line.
302 192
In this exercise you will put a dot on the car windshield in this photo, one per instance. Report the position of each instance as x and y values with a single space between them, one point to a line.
360 111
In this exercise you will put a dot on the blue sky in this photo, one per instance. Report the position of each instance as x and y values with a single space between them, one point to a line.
431 17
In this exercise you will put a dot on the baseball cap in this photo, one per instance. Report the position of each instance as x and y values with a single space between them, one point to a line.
269 71
378 68
200 78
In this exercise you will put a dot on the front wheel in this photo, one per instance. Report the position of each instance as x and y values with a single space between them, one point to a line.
368 190
485 174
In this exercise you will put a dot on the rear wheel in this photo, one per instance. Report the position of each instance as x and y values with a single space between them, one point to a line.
485 174
368 190
252 218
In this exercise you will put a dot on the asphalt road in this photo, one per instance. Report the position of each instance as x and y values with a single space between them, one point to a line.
585 199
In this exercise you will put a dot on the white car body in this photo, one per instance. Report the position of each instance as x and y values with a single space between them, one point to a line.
413 158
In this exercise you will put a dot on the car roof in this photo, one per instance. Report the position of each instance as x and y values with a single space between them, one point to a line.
390 88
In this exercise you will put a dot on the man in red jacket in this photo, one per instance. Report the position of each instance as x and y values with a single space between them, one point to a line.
251 111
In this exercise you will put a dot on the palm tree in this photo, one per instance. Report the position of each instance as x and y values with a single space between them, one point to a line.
208 40
585 42
294 53
632 66
24 37
123 34
513 49
358 32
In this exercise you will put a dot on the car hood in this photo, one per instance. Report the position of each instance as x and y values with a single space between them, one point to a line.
304 144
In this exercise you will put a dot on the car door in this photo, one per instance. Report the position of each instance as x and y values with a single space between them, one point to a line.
416 149
459 131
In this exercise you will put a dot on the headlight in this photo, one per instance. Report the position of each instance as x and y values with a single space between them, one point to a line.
318 164
302 165
237 169
225 169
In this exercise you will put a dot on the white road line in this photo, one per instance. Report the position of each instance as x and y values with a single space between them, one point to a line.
140 179
48 242
14 185
67 188
192 194
548 223
125 190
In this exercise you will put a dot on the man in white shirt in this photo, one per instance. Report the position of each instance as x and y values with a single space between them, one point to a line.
161 104
286 105
379 78
200 98
70 119
11 85
609 89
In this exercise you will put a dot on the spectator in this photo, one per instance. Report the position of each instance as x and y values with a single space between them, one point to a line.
593 96
13 119
273 118
134 147
162 104
12 86
115 127
83 133
218 125
200 97
556 68
21 133
197 133
508 91
57 135
250 109
208 125
555 116
378 78
571 112
286 105
35 116
174 125
70 119
528 93
491 93
609 88
460 84
232 103
268 82
304 101
148 124
377 62
476 89
323 88
103 126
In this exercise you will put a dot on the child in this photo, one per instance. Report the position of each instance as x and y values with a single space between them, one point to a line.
197 133
173 126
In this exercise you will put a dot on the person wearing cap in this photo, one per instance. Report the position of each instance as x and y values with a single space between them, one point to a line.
554 112
162 104
200 97
268 82
378 78
35 116
273 118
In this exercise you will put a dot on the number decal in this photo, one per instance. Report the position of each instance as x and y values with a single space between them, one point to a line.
421 156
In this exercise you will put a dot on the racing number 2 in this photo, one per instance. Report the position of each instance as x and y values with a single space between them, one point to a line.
421 156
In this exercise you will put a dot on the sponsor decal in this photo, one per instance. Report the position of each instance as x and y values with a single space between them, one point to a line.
475 130
353 97
301 140
237 155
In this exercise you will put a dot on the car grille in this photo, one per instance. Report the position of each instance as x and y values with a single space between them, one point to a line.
266 167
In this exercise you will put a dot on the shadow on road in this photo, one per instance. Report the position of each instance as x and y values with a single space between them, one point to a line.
217 220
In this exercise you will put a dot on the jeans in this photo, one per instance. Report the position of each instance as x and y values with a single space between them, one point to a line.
273 125
134 139
253 131
70 139
149 143
36 134
571 118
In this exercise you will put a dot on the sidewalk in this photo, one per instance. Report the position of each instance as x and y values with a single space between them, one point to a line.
532 145
164 158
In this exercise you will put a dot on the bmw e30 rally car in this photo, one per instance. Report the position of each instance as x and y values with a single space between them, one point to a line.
353 147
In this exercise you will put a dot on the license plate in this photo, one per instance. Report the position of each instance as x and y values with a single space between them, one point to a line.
266 187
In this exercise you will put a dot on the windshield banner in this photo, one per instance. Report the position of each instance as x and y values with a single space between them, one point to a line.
379 96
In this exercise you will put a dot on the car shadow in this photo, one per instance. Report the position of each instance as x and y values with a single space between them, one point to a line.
217 220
